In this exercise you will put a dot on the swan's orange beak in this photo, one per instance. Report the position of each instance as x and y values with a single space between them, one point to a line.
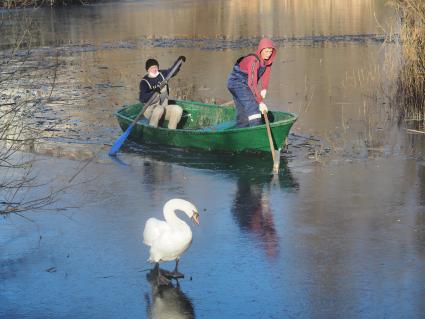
195 218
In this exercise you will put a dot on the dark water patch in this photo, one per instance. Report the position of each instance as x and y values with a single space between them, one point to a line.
241 43
219 43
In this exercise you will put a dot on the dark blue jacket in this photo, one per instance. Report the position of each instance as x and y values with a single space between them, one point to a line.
148 85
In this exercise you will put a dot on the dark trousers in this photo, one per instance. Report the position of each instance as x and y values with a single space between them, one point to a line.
246 105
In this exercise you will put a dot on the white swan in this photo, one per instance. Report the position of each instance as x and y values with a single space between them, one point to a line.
169 239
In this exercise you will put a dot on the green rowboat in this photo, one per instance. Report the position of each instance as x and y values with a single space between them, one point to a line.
208 127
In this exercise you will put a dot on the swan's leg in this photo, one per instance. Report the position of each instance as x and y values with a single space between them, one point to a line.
161 280
177 265
176 274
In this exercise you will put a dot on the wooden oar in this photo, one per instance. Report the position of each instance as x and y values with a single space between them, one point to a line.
275 153
120 141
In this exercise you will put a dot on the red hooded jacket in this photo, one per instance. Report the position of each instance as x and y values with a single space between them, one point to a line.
250 66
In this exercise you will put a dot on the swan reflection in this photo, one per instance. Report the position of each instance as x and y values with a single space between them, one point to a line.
167 301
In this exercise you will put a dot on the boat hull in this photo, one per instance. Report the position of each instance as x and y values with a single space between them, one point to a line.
208 127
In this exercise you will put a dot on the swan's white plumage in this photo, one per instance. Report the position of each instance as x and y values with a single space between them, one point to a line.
153 230
170 238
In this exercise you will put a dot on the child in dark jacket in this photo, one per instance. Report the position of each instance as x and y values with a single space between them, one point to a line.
243 84
148 86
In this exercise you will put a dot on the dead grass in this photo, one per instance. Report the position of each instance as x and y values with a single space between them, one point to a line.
410 93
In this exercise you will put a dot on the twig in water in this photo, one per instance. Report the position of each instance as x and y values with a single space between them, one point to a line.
79 171
414 131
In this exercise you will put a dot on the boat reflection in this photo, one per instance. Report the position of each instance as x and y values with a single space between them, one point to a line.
229 164
252 207
167 301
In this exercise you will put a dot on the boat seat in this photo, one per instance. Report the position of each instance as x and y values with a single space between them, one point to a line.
220 126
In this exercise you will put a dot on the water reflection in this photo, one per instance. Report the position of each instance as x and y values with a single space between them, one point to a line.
155 176
421 178
420 216
191 18
257 166
251 206
167 301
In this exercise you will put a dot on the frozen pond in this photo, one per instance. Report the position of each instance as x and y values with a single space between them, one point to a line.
338 234
311 244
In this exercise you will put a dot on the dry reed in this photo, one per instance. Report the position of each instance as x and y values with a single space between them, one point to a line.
410 94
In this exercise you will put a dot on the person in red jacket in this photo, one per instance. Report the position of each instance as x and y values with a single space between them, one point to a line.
243 84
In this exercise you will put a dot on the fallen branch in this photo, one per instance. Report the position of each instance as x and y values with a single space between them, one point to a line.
414 131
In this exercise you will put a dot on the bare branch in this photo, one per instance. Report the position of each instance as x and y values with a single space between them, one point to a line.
21 107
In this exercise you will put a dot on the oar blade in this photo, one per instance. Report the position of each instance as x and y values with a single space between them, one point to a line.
275 153
120 141
276 161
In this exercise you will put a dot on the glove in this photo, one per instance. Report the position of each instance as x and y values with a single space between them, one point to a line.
159 90
183 58
263 93
262 107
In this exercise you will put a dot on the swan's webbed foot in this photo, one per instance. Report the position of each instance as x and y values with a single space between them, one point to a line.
178 275
171 274
175 274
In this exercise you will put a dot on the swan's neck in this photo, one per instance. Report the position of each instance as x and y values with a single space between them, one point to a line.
171 217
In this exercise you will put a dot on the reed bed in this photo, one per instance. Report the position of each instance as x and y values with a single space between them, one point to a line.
410 91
